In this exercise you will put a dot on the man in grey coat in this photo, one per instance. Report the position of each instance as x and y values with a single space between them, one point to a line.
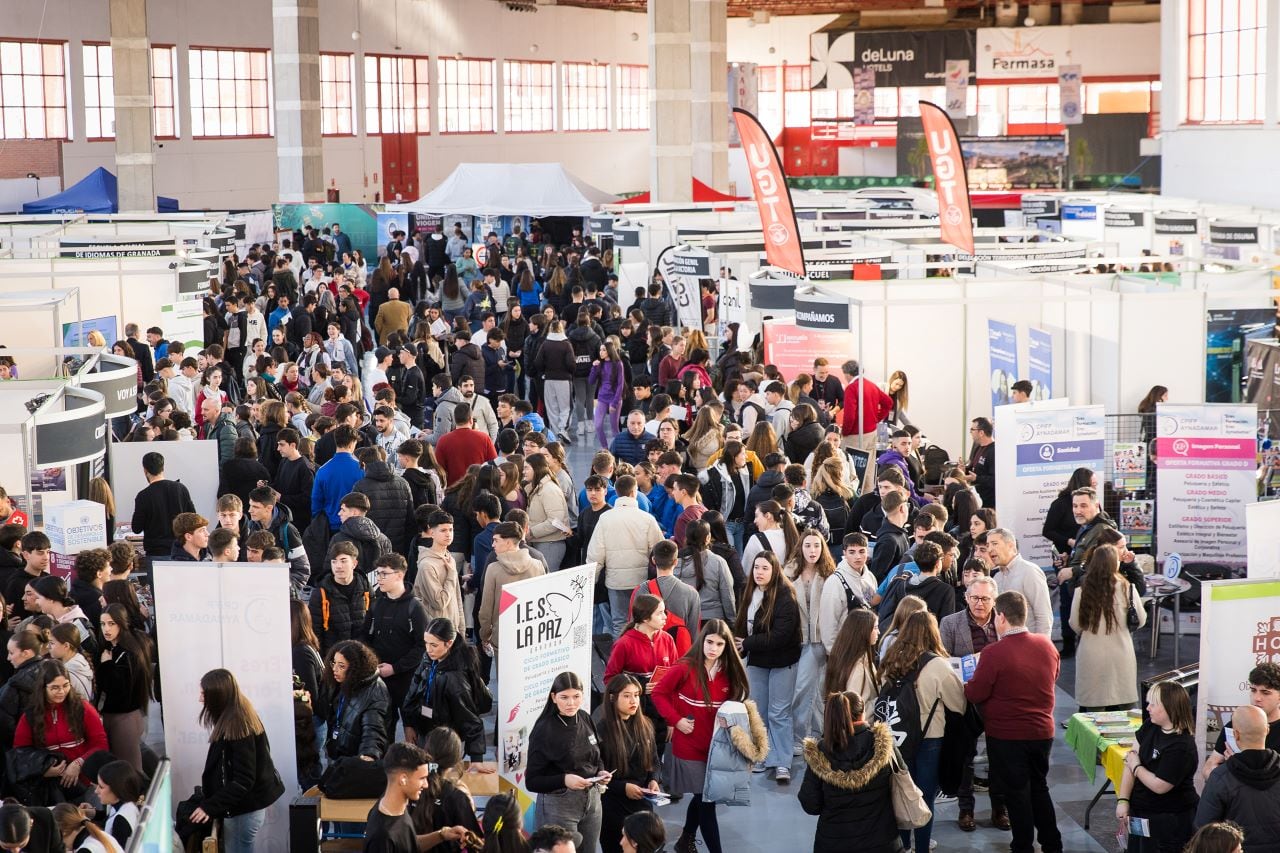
1018 574
447 399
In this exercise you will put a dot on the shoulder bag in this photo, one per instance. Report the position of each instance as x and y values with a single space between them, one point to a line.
908 801
1131 618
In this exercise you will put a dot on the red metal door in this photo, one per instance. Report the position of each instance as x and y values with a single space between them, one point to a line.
399 167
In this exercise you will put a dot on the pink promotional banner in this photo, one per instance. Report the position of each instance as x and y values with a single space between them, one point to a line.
1206 468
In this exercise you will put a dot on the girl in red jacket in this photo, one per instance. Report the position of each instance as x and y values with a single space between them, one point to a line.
687 698
646 652
61 721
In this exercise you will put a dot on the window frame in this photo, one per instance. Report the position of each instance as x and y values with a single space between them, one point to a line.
508 99
68 126
622 106
565 99
195 49
156 107
351 93
423 87
443 108
85 46
1258 74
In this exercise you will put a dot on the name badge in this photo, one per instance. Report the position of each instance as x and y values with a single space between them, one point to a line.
426 712
591 739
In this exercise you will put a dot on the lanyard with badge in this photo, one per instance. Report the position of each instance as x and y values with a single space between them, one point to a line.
426 710
337 729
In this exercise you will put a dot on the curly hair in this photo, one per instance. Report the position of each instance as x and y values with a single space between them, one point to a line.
362 665
1098 590
38 705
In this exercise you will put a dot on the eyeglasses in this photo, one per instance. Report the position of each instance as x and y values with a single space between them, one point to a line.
384 573
981 599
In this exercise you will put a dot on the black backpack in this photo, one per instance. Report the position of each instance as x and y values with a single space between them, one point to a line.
898 707
935 462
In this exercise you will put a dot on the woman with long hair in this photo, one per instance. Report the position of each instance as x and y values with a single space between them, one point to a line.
1147 408
24 652
688 697
853 663
706 572
122 591
808 569
608 378
564 764
775 533
804 433
447 690
120 789
548 511
763 440
727 484
123 676
64 647
643 832
1221 837
457 502
100 492
705 437
308 668
898 392
849 783
358 702
981 520
910 604
446 801
722 546
210 389
501 823
629 746
80 834
919 650
769 636
829 490
1106 669
61 721
239 782
1158 784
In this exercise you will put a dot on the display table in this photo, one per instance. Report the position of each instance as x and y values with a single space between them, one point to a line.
1093 748
1159 589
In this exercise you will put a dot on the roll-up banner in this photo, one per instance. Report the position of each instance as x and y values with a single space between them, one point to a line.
1069 94
1044 442
957 87
76 434
116 379
1002 354
732 307
118 247
954 216
544 629
1233 235
773 197
1206 472
1040 363
822 311
626 236
684 270
772 295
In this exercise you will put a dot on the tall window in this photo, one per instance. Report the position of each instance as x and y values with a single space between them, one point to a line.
396 94
797 104
1226 60
99 91
585 95
230 92
528 96
466 95
633 97
337 96
33 90
769 100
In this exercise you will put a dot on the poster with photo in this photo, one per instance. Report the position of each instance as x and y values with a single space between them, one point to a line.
76 334
1137 519
1129 463
1002 348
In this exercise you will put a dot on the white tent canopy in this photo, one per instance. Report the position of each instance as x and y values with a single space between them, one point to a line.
502 189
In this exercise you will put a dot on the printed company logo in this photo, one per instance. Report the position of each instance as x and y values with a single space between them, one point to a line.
1026 432
1046 452
880 55
551 617
1266 641
1181 446
779 234
100 432
953 215
123 394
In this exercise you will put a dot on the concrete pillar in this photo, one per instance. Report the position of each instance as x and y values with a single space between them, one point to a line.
710 102
671 91
131 85
295 64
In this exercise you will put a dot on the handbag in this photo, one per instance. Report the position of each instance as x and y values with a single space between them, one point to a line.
350 778
908 801
1131 617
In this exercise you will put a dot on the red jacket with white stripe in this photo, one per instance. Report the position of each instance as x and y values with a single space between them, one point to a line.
679 695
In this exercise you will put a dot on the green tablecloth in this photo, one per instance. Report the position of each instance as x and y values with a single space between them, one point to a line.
1088 743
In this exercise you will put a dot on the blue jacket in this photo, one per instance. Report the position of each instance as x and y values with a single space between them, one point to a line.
664 510
530 300
628 448
480 550
333 482
611 495
539 425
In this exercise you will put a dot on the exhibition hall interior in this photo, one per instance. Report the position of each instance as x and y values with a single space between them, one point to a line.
640 425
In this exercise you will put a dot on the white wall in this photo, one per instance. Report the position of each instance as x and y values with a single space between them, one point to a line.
786 35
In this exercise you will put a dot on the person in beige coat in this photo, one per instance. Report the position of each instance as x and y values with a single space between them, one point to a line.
1106 668
393 316
620 546
437 585
548 511
513 564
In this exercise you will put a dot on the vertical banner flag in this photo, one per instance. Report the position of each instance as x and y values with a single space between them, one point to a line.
1206 472
954 216
732 308
544 629
864 96
1044 443
957 87
1002 350
1069 94
773 196
1040 363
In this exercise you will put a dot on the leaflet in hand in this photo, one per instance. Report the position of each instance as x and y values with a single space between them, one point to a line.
965 666
658 799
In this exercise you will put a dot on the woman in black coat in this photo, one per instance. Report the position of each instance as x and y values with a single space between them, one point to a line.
240 474
448 683
358 703
848 783
1060 525
805 434
628 745
239 782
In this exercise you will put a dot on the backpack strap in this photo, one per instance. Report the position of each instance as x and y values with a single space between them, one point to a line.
324 608
849 597
915 675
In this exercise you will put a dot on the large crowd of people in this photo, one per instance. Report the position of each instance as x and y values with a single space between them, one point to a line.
397 433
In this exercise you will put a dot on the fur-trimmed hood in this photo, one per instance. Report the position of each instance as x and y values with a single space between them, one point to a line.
753 745
855 778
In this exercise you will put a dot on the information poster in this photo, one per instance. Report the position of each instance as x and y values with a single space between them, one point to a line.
1002 347
1040 363
184 321
1049 441
1136 522
1262 522
77 334
1129 465
544 629
792 348
1206 464
1227 333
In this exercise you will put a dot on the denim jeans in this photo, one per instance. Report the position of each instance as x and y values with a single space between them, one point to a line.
773 691
619 610
807 707
736 530
576 811
239 832
924 772
553 552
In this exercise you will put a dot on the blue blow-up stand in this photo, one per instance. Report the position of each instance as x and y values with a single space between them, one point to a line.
96 193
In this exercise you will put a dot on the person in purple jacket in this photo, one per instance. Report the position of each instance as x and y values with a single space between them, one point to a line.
609 379
896 455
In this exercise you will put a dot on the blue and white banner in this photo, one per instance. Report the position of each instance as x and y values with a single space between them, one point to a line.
1041 445
1002 347
1040 363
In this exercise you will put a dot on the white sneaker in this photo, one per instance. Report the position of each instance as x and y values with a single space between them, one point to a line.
758 768
799 749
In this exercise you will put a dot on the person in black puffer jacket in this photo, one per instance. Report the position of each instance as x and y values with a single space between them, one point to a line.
267 513
26 648
340 599
358 702
804 439
451 686
467 361
360 530
390 498
849 781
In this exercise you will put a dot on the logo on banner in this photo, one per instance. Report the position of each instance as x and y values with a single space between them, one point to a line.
1173 565
773 199
1046 452
551 617
948 176
1181 446
1266 641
